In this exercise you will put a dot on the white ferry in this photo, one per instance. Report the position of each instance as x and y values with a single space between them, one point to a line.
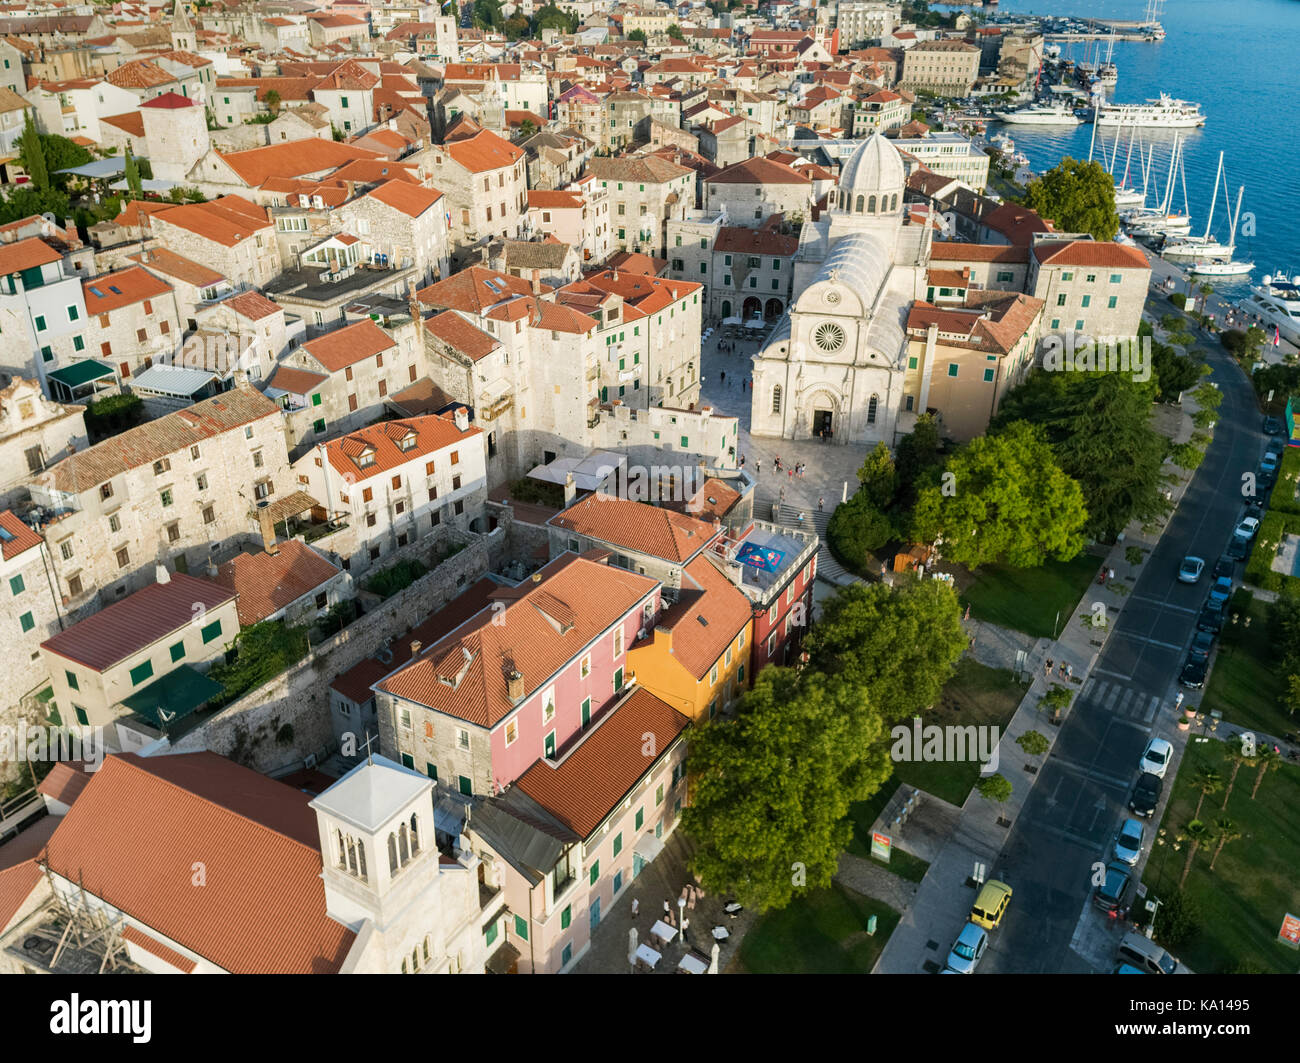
1164 113
1039 114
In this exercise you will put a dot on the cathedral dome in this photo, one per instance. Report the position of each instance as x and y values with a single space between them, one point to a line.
871 182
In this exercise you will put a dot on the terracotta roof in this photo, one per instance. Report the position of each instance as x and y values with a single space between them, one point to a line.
474 289
552 622
483 151
431 434
600 772
707 616
295 381
156 948
636 526
263 907
138 74
948 278
125 287
17 537
649 169
348 345
1090 253
170 101
759 171
147 443
647 294
26 254
295 158
251 305
736 238
989 321
132 122
16 885
160 260
461 335
229 220
139 620
411 199
65 781
554 200
946 251
266 582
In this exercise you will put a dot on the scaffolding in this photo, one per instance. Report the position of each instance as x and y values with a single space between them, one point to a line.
73 938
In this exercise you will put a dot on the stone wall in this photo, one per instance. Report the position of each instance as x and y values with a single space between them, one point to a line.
246 730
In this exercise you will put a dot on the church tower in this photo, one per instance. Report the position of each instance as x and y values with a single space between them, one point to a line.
183 37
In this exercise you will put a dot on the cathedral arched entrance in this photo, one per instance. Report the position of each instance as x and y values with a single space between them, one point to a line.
773 309
753 307
820 415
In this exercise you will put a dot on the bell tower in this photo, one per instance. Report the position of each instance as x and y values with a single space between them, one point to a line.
183 37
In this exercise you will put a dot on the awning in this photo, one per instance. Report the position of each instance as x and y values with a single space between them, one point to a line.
289 506
503 961
173 380
147 184
174 696
648 847
78 380
98 169
731 321
756 324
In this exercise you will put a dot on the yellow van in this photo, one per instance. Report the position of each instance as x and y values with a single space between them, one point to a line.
991 904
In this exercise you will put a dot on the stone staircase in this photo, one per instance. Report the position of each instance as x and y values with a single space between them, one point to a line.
828 568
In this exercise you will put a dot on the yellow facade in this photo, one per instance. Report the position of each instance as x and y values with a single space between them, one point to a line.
659 671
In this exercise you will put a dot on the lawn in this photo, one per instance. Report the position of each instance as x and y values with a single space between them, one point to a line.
1029 599
1242 901
822 932
1246 684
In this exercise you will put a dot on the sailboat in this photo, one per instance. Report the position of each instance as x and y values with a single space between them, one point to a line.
1225 266
1202 247
1126 197
1164 219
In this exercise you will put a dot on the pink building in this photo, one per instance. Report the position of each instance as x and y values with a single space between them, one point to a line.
519 682
572 833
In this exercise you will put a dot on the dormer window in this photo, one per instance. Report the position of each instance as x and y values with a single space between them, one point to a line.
407 442
365 459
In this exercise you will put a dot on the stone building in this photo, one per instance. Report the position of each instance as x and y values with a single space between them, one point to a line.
1089 288
180 490
35 432
946 67
644 195
131 321
404 222
230 234
754 190
176 135
29 612
484 178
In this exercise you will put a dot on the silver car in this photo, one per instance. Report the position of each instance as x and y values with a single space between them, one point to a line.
968 949
1128 841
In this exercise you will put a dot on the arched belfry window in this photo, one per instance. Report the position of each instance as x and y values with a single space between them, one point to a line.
871 205
392 851
776 399
894 202
415 835
361 859
343 853
402 848
871 409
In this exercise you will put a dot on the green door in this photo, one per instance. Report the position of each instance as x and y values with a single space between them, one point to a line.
550 743
618 679
586 711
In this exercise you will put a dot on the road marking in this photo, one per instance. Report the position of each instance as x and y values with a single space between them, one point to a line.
1150 714
1110 700
1107 671
1092 773
1078 839
1162 604
1122 708
1151 641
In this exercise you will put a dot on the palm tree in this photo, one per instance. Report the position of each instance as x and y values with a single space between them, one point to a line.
1267 759
1207 781
1235 752
1197 833
1226 831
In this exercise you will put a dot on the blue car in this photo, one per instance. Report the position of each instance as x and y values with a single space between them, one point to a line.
1221 591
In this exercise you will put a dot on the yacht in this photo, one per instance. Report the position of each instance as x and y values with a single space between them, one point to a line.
1164 113
1204 249
1039 114
1221 267
1128 197
1277 301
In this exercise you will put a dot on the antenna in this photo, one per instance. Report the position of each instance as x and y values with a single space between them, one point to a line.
370 757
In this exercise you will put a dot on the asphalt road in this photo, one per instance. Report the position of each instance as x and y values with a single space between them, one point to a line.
1083 790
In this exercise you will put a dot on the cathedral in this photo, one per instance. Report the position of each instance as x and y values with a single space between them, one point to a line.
834 366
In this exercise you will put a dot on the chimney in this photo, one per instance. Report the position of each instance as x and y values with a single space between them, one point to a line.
161 574
537 282
268 527
212 569
413 303
570 489
461 417
415 648
515 684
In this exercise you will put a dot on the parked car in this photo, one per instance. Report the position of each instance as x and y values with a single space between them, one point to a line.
968 949
1225 566
1128 841
1146 794
1202 643
1246 529
1273 427
1137 950
1238 549
1109 896
1156 757
1211 618
1190 570
991 904
1193 673
1126 968
1269 463
1221 591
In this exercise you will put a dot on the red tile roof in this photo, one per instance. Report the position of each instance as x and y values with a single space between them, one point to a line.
296 158
170 101
139 620
170 956
168 263
16 885
759 171
1085 253
944 251
267 583
229 220
125 287
539 632
708 615
461 335
474 289
410 199
18 538
432 433
740 240
65 781
295 381
554 200
262 909
132 122
636 526
252 305
605 767
483 151
26 254
348 345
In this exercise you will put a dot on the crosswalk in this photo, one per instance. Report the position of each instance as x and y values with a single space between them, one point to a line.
1120 699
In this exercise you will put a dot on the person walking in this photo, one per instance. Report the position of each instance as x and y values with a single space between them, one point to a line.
722 377
742 461
636 906
821 505
758 467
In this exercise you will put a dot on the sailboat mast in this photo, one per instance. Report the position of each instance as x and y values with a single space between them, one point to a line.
1169 184
1232 240
1214 199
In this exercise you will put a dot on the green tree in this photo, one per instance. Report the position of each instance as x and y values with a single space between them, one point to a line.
1003 499
1079 197
994 788
637 35
1284 630
1099 425
272 101
1174 372
26 200
33 155
915 454
1177 920
1033 743
878 477
898 644
1225 831
517 26
675 32
487 14
527 129
772 787
858 529
1267 760
133 184
1235 751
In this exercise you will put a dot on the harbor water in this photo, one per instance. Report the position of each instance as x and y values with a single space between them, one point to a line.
1238 62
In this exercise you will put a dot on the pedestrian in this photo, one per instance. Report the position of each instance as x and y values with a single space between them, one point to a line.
742 461
758 467
821 504
668 913
803 468
789 473
636 906
801 516
722 377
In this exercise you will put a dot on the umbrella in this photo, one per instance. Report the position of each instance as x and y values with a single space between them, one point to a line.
756 324
631 947
713 963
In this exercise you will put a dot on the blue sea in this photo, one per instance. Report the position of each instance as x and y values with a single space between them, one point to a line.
1238 61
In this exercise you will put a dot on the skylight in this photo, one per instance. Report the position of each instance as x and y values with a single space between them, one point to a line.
96 292
115 289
